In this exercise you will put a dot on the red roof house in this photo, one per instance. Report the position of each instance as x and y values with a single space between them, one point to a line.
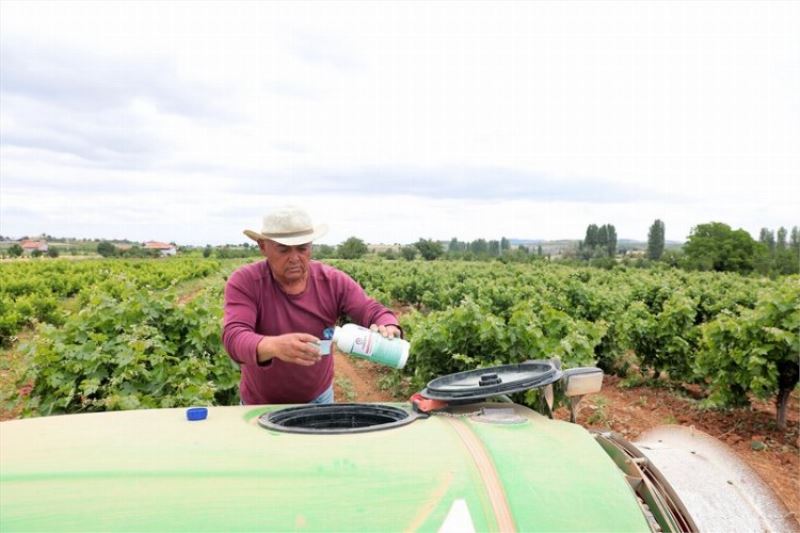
29 246
163 247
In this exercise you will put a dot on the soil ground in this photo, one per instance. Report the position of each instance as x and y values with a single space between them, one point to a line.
630 411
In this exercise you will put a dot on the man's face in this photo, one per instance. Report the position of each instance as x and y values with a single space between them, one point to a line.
288 263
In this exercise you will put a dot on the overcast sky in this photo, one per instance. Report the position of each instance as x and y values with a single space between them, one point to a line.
187 121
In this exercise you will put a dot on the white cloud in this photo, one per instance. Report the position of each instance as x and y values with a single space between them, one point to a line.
398 120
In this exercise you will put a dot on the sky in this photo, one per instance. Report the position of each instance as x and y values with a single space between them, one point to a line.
188 121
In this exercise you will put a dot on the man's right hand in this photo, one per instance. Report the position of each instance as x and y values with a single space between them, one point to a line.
295 348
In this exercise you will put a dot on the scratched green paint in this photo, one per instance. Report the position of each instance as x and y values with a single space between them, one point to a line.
567 482
153 470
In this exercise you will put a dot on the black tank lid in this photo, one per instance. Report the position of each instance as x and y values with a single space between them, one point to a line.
483 383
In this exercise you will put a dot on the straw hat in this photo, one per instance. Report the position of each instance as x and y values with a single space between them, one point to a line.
289 225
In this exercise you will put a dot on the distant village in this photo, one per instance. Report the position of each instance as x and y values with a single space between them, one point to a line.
49 246
46 245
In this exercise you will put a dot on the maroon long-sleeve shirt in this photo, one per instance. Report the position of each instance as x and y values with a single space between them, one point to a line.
256 306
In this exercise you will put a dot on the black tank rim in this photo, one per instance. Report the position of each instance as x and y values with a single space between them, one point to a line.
390 417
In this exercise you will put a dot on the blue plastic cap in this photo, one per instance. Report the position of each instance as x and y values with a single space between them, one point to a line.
196 413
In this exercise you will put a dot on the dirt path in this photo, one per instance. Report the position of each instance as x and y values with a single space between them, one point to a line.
357 381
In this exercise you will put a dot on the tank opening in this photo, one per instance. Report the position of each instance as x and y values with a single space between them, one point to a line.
336 418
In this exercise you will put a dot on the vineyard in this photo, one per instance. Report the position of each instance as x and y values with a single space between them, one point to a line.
114 334
734 336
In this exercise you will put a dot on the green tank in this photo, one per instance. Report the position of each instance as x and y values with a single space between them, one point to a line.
155 470
447 461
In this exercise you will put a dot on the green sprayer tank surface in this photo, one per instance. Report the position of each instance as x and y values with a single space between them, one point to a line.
152 470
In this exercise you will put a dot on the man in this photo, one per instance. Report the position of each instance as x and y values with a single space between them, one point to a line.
277 310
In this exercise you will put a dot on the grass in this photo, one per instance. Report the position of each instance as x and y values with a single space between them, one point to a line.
346 386
191 288
399 386
599 416
670 419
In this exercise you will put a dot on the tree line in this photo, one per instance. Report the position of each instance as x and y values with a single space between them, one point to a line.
717 247
713 246
15 250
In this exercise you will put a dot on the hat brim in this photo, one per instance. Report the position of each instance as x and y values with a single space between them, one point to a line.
319 231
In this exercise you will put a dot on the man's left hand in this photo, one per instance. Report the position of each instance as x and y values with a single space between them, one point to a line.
389 331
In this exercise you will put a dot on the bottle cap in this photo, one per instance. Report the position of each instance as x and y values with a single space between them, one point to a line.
196 413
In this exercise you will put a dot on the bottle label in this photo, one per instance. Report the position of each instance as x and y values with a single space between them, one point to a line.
363 345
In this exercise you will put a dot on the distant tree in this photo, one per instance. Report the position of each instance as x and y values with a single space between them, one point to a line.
236 251
352 248
655 240
15 250
515 255
494 248
505 244
408 252
138 251
787 255
106 249
591 239
456 246
602 238
611 240
776 257
52 252
429 249
781 244
794 241
715 246
539 250
673 258
767 238
323 251
787 262
600 252
479 247
207 251
388 253
37 253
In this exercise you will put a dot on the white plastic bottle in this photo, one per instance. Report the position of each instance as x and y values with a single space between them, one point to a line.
359 341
